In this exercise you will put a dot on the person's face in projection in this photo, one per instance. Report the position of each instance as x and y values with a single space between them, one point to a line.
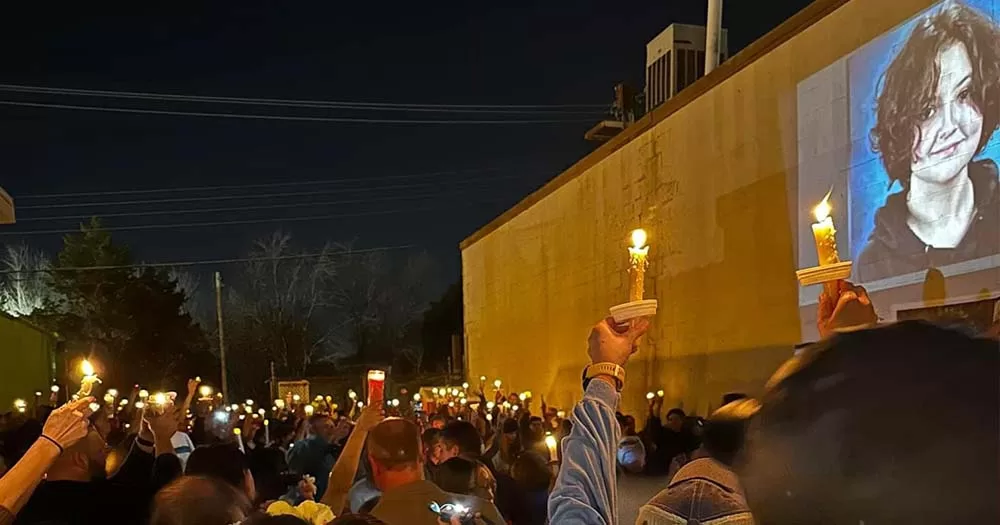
950 132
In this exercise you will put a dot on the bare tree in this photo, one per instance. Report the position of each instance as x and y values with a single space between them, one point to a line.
278 307
25 286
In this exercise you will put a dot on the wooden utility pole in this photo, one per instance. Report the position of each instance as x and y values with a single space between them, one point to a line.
222 337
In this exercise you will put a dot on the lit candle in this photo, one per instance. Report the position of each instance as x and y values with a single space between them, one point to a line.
824 233
465 385
650 396
279 403
497 384
416 397
205 391
637 258
310 410
267 432
659 393
296 398
89 378
20 405
551 443
395 402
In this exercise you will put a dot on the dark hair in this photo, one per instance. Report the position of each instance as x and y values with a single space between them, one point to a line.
457 475
910 83
509 426
265 519
199 500
316 418
676 412
725 430
465 436
531 472
356 519
430 437
221 461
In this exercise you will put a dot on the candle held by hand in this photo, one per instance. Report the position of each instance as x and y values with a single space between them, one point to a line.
637 253
551 443
824 233
89 378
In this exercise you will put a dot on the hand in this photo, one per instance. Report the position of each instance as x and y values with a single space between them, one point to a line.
68 424
370 416
163 423
612 343
307 488
193 386
852 308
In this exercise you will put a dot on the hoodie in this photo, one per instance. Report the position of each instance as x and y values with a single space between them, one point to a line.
893 249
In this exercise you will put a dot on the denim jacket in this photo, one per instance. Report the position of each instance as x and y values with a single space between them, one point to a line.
585 488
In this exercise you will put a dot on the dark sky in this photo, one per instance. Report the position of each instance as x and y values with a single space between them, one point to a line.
569 52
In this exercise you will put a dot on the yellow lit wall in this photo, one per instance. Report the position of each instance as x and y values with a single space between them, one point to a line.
710 181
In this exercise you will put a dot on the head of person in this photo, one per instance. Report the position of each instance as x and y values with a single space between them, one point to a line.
537 427
842 431
509 431
460 438
531 472
457 475
225 462
439 421
84 461
940 97
725 430
628 425
675 419
432 446
322 426
395 454
199 500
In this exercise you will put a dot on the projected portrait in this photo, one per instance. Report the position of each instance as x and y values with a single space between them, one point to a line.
932 199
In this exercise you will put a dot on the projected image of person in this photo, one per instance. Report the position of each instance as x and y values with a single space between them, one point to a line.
938 106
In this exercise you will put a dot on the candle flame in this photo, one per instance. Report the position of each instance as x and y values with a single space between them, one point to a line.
86 368
823 209
550 441
638 238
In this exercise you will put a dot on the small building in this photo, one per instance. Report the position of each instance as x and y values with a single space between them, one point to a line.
27 360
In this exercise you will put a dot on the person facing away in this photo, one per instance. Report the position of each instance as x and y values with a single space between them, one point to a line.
396 458
225 462
705 490
200 500
457 475
313 455
461 439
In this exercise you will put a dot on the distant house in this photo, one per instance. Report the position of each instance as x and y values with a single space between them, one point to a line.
27 361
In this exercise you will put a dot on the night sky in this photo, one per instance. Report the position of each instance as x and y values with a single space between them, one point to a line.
568 52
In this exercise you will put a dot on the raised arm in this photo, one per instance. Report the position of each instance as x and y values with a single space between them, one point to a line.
65 426
584 491
342 474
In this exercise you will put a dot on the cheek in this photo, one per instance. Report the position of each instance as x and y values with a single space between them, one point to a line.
970 120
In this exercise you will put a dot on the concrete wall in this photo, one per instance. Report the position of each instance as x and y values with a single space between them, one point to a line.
711 184
26 360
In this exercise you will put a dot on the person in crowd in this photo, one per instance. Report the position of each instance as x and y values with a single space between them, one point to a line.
438 421
314 455
706 490
937 109
200 500
533 479
64 427
396 458
223 461
76 491
461 439
433 447
508 447
457 475
631 453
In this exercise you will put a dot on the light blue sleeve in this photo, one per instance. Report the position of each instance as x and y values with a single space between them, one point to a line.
585 490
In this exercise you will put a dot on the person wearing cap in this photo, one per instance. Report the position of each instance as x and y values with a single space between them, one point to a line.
396 458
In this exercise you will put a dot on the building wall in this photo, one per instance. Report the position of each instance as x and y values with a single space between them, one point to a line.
26 360
711 185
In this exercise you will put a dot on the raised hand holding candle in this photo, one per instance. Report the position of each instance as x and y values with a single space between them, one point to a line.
551 444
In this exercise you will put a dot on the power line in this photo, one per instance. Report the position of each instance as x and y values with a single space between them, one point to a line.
251 186
245 221
241 208
288 102
180 264
346 120
262 195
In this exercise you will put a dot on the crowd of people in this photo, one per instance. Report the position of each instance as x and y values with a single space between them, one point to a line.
890 424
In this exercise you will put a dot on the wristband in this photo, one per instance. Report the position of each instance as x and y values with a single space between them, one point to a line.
54 442
604 369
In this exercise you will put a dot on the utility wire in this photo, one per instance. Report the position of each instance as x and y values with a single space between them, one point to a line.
246 221
292 102
348 120
252 186
244 208
210 198
179 264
